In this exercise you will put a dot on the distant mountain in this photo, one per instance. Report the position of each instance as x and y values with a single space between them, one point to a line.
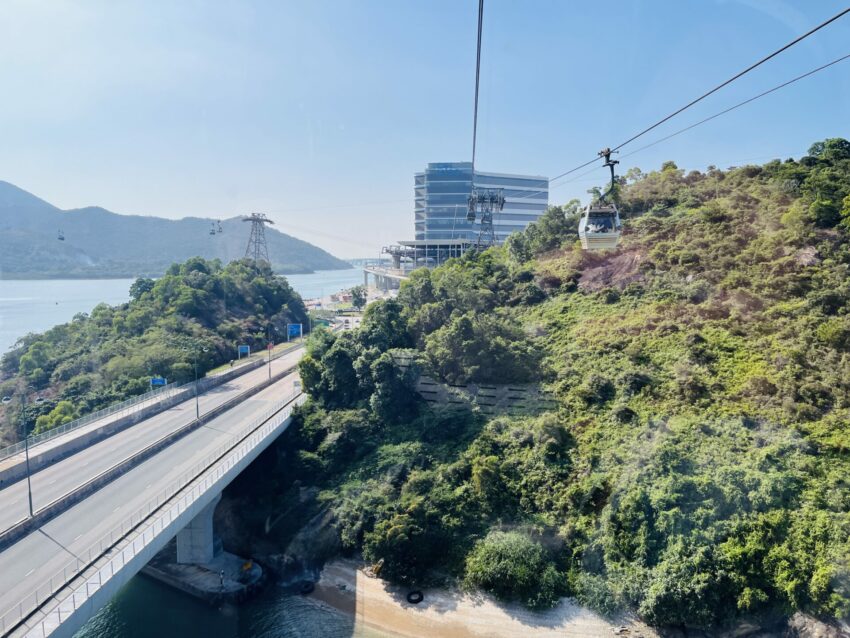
100 243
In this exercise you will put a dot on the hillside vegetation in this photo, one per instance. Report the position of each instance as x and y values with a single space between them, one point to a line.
697 468
99 243
195 313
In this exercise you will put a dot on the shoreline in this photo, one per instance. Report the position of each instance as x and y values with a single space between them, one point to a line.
94 277
380 609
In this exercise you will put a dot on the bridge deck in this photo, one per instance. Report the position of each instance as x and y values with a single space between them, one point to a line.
26 566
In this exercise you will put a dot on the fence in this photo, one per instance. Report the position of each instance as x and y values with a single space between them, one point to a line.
185 390
49 587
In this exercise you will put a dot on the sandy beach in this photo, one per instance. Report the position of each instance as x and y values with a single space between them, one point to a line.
379 609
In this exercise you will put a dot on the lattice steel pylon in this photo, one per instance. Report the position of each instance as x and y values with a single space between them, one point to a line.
257 247
482 203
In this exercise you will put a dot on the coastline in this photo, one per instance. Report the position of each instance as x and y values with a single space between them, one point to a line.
381 610
91 276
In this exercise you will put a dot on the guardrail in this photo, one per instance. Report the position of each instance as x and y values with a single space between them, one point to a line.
48 512
35 439
49 587
160 394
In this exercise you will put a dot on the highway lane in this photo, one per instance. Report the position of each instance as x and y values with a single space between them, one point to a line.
64 476
46 445
39 556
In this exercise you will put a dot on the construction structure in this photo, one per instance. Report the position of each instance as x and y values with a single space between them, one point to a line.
257 248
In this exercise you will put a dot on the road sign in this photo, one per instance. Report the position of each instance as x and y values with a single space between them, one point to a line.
158 381
271 345
293 330
246 350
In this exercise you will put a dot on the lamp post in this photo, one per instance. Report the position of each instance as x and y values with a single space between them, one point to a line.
197 402
269 347
26 444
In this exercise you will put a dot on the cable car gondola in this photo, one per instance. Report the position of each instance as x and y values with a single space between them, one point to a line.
220 229
212 229
60 235
600 227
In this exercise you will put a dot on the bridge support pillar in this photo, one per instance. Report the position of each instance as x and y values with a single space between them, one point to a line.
196 543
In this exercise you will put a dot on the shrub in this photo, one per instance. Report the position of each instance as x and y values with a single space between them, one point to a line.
596 389
512 566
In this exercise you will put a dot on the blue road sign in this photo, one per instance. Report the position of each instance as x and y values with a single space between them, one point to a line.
244 350
293 330
159 381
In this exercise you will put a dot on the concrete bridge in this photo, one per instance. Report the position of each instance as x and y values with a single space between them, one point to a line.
103 512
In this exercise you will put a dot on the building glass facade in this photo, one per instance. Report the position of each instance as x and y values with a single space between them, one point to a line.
440 201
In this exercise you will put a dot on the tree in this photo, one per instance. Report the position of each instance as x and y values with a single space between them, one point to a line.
384 327
358 296
339 384
394 399
824 213
557 226
140 287
60 415
832 149
482 348
845 212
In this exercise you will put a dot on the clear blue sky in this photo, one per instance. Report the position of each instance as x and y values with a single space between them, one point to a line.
319 113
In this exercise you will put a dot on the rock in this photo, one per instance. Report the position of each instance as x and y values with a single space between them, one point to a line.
802 625
317 541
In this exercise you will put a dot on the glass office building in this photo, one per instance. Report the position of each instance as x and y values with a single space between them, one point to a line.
440 204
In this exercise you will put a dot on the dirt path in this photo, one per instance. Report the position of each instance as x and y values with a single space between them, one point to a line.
379 609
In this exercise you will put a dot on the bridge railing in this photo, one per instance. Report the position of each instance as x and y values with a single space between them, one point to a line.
35 439
128 405
49 587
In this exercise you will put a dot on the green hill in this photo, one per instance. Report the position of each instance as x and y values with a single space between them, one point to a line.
99 243
696 469
191 316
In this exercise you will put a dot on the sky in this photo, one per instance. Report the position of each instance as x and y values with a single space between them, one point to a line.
319 113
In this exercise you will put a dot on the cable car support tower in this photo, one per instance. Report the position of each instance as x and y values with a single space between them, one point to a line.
257 247
482 202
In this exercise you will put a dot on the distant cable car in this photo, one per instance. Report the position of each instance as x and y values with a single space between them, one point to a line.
212 228
60 236
220 229
600 227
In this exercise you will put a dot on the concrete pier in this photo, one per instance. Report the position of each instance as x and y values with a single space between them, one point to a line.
227 577
196 542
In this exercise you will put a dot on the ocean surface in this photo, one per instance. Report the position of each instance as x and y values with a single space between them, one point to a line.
36 305
145 608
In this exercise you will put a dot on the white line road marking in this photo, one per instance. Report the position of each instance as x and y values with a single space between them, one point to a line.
77 536
29 572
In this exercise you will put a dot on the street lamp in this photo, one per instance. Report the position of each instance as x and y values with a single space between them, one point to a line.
26 442
269 347
197 403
